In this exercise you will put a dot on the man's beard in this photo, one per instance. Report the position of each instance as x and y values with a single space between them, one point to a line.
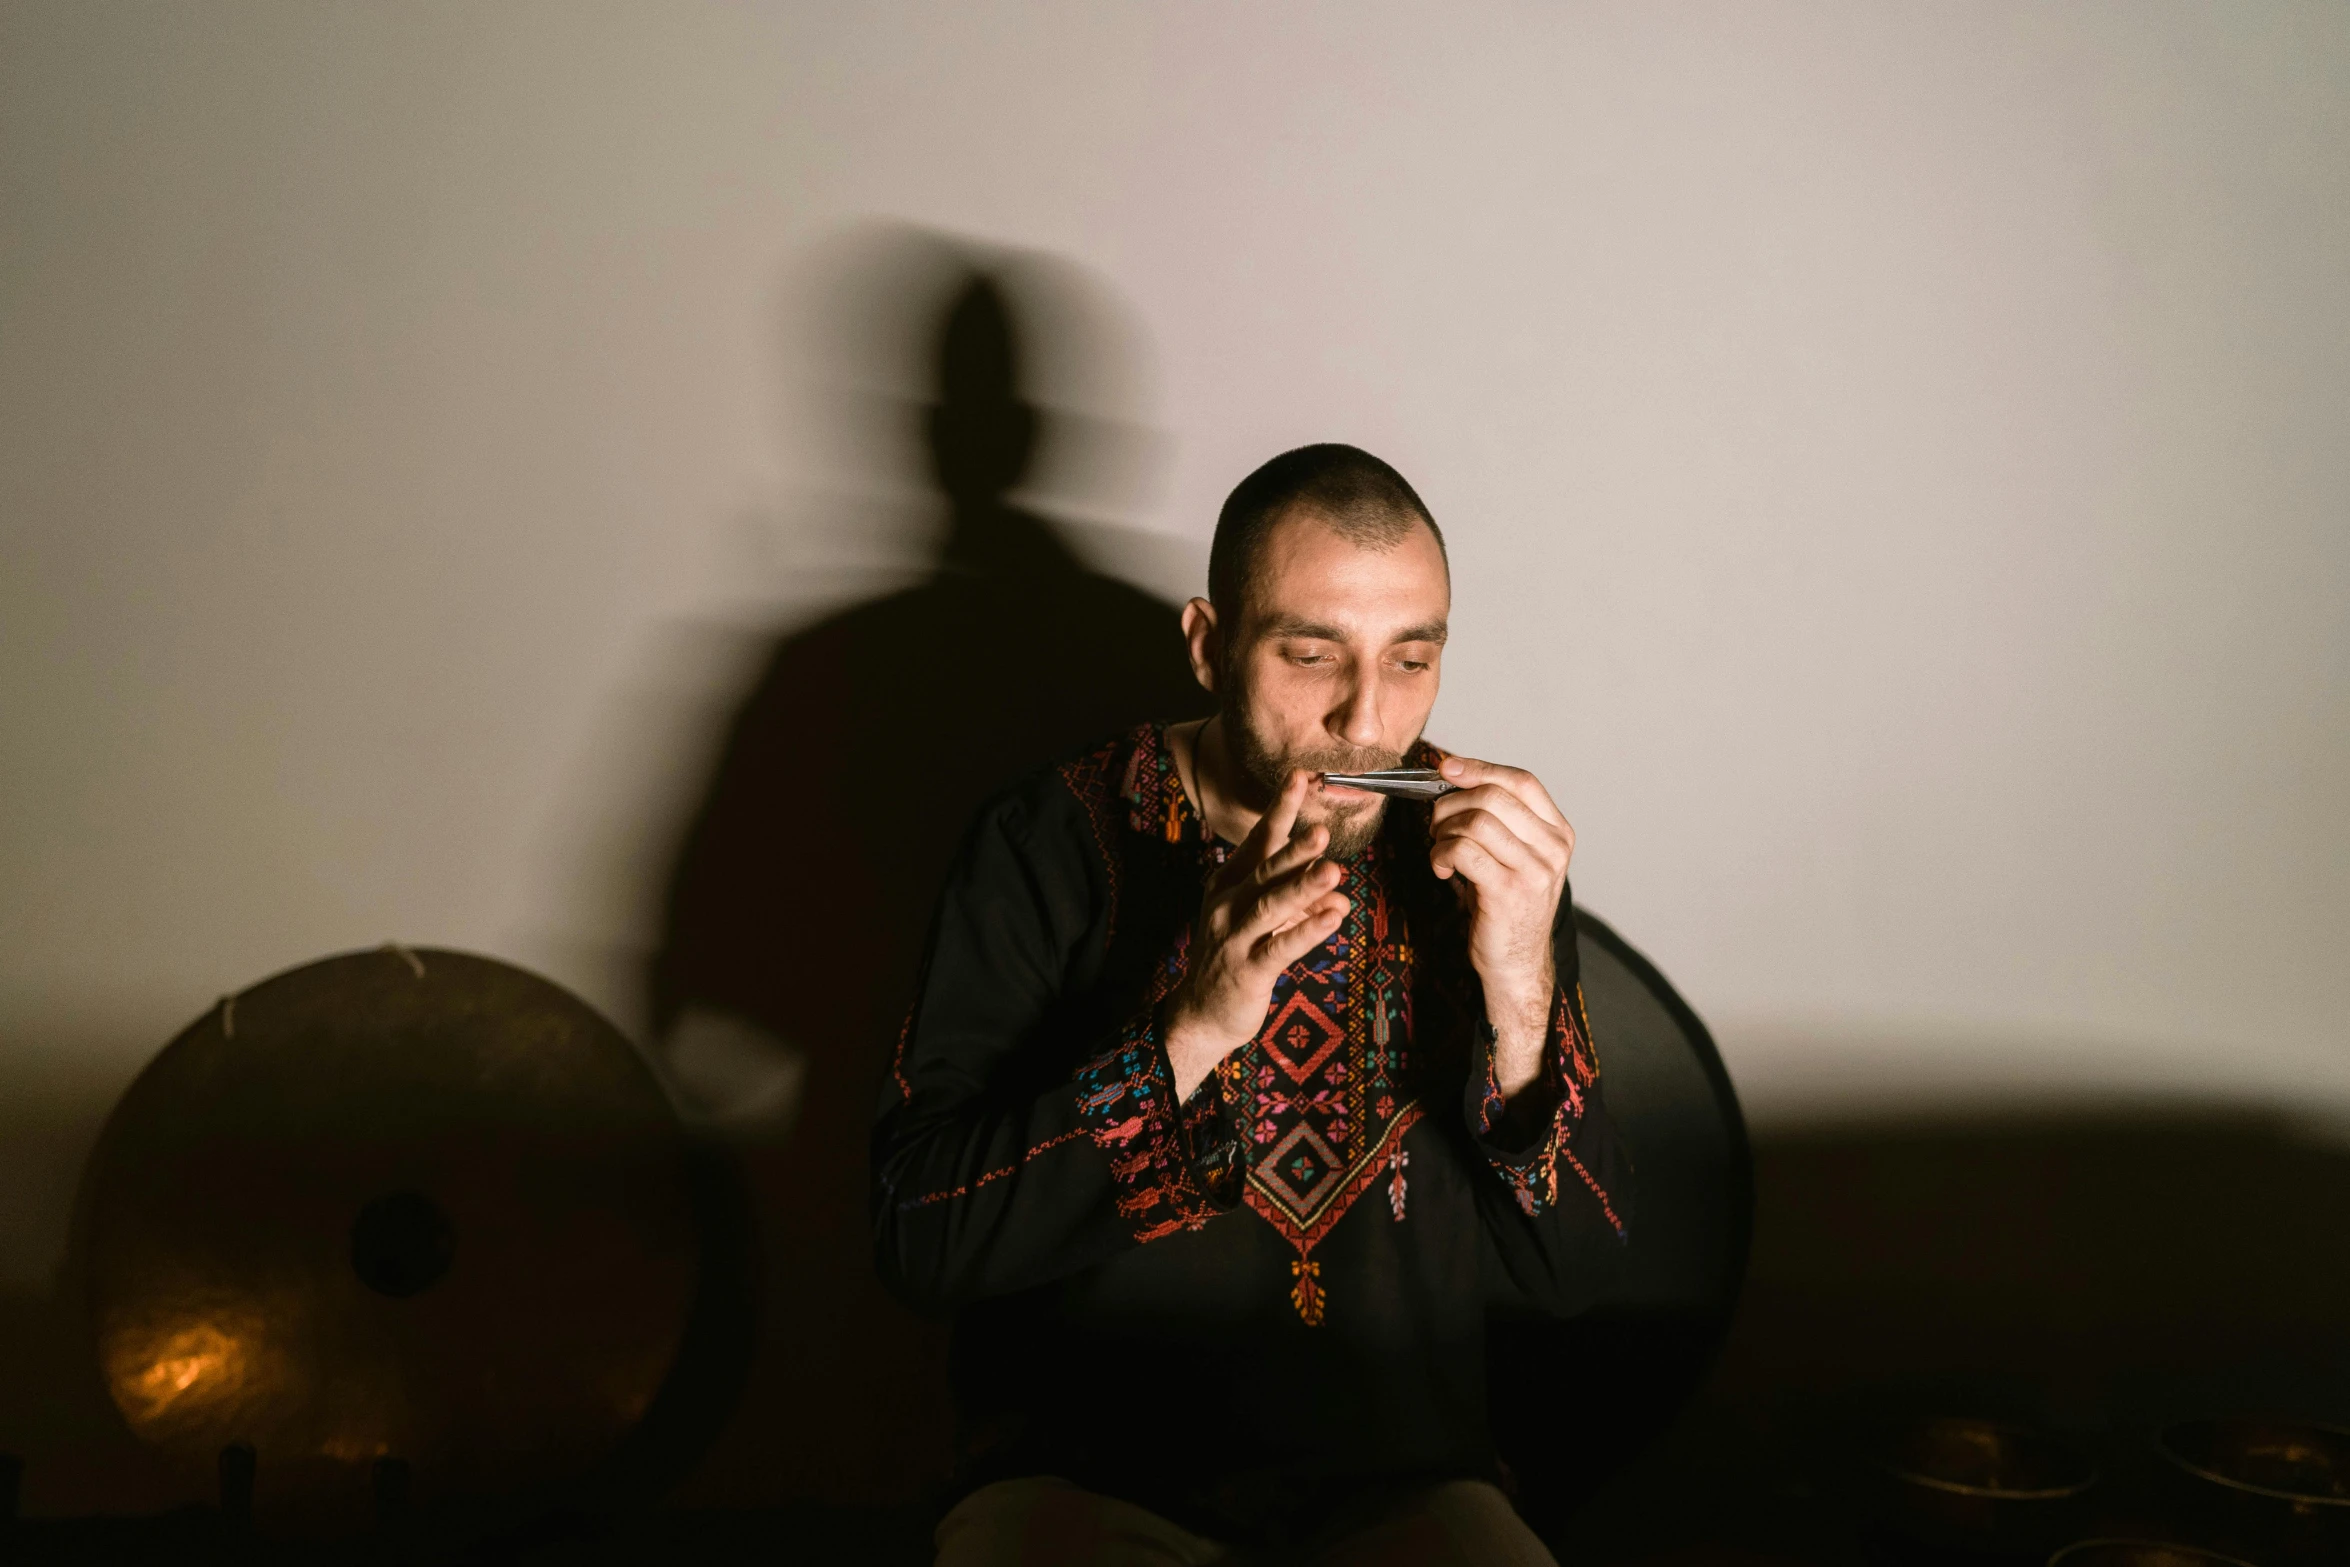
1351 828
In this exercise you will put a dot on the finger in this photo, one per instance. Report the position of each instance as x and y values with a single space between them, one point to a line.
1285 946
1468 772
1545 838
1490 833
1287 900
1274 827
1469 859
1238 884
1304 847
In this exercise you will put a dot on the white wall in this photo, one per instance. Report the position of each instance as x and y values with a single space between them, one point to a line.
1895 458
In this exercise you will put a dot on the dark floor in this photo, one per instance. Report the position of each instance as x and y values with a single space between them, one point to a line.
2095 1276
2098 1277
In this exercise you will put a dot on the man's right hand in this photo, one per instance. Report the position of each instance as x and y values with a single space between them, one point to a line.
1272 903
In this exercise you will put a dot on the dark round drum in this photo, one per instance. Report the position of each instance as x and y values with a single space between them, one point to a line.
404 1224
1639 1354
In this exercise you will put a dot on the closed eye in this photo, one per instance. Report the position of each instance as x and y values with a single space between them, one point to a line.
1415 663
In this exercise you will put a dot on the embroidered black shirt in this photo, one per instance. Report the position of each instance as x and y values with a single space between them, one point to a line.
1241 1309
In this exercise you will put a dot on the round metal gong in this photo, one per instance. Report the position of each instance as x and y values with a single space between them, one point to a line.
1647 1342
416 1206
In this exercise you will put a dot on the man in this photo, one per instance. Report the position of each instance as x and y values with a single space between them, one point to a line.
1231 1100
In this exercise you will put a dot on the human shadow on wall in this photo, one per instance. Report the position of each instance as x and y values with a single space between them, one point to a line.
797 902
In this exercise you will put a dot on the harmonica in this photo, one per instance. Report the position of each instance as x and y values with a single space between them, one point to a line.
1401 783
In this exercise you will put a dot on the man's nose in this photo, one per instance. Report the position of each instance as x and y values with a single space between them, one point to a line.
1356 718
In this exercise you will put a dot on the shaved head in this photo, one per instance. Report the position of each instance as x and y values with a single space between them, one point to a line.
1353 493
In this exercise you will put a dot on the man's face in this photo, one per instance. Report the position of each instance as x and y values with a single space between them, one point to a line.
1334 666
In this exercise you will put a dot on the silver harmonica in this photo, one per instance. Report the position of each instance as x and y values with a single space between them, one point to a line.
1401 783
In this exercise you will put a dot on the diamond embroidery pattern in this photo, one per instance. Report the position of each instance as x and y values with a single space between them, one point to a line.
1321 1091
1301 1169
1321 1087
1314 1083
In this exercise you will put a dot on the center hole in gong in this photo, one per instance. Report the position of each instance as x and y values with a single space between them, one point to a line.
401 1243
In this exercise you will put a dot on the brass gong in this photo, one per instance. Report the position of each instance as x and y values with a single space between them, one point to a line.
417 1206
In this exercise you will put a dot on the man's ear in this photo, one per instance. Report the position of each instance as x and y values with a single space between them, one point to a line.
1204 641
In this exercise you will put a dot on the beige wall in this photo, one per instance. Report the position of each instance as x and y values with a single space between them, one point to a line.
1895 458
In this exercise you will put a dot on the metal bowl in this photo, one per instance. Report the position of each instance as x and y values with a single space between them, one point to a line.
1972 1484
2138 1553
2304 1467
1984 1458
2280 1488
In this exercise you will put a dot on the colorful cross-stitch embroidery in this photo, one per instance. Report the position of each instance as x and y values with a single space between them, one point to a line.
1322 1098
1319 1096
1321 1088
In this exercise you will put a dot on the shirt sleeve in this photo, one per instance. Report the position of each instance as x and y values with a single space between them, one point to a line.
1020 1140
1563 1181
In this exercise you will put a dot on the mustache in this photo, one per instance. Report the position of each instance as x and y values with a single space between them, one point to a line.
1344 759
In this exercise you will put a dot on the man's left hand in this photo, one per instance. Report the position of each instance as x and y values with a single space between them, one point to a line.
1509 845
